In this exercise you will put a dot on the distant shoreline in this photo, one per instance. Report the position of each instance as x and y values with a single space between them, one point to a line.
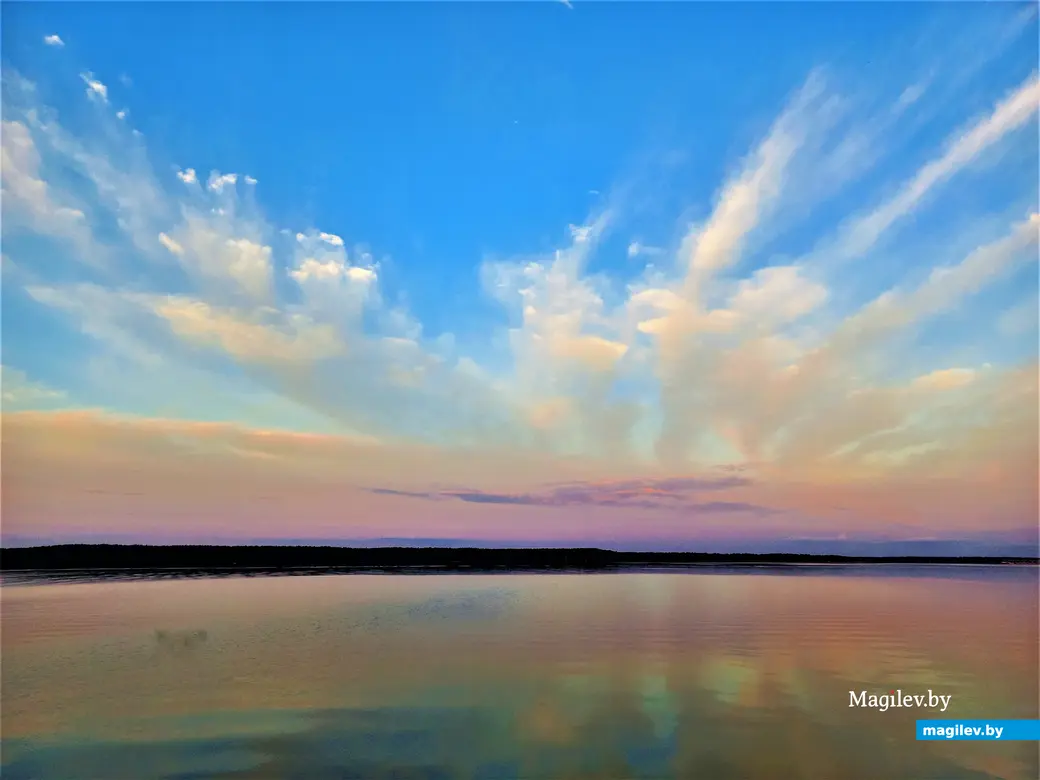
67 560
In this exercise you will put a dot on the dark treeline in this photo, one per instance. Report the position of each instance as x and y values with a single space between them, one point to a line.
113 556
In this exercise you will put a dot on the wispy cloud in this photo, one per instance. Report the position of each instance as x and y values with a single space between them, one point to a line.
53 40
1012 113
637 249
19 392
31 203
676 494
95 89
574 339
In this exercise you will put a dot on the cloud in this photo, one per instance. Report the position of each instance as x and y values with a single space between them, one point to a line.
675 494
944 287
19 392
229 258
962 148
748 197
217 182
116 185
978 427
406 493
248 337
568 343
739 348
776 294
29 201
244 479
170 244
636 249
911 95
311 269
53 40
104 315
95 89
79 441
945 379
812 402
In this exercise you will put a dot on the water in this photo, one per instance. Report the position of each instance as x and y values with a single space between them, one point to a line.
703 675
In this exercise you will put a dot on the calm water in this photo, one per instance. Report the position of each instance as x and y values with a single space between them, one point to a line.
701 675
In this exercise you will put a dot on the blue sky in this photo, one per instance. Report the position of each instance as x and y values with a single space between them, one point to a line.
615 233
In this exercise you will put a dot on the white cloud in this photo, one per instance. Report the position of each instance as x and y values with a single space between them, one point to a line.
18 391
312 269
217 253
119 183
947 286
569 345
776 295
121 114
187 176
961 149
250 265
95 89
28 199
911 95
637 249
53 40
332 285
217 182
170 244
747 198
580 233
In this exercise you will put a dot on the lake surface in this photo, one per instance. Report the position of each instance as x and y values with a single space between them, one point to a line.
707 675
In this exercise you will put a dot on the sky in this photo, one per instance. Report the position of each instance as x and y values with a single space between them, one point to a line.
736 276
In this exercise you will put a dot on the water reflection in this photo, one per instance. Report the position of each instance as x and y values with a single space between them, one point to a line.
652 675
